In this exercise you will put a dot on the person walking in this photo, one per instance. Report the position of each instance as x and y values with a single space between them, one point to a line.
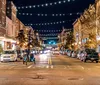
32 58
25 58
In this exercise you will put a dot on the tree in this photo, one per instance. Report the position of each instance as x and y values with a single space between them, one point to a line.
21 38
91 43
1 49
69 41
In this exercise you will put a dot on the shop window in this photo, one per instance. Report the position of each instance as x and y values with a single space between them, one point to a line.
9 46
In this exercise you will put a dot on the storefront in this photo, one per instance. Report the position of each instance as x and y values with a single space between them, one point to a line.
7 43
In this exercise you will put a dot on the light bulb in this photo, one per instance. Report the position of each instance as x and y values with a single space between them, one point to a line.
64 1
42 5
59 2
55 3
50 3
30 6
68 0
46 4
18 7
34 6
38 5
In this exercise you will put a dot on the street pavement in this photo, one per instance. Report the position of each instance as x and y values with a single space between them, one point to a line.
50 70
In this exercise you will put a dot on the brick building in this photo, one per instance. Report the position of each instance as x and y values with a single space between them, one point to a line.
88 23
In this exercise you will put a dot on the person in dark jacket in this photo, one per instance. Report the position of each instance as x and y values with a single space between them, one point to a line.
32 58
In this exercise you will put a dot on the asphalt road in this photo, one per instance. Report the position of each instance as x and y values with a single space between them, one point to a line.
50 70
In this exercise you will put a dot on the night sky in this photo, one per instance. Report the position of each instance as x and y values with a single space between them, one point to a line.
66 8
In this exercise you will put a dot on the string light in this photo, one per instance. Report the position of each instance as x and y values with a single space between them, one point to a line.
59 2
42 5
34 6
64 1
51 23
49 34
68 14
49 30
50 3
46 4
45 38
55 3
30 14
68 0
30 6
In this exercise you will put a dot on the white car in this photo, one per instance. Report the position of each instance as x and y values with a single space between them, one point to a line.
56 52
8 55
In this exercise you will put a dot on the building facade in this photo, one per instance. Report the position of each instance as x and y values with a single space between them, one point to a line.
63 38
3 13
10 25
88 23
2 22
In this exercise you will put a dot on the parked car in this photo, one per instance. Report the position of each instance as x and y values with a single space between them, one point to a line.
78 54
68 53
9 55
90 54
73 54
82 55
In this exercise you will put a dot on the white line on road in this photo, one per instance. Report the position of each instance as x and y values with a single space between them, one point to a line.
42 73
69 67
82 67
89 69
81 79
52 66
30 66
11 67
64 67
97 66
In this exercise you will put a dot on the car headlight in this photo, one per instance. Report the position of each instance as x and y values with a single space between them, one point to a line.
11 56
1 58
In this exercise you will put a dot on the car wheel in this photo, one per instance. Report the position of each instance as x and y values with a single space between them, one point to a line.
85 60
92 60
96 61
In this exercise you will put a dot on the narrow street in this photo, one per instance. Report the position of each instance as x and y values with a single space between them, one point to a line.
62 71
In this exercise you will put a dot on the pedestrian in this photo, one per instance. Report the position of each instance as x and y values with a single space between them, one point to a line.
32 58
25 58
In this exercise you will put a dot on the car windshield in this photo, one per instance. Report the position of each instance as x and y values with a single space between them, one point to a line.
90 51
8 52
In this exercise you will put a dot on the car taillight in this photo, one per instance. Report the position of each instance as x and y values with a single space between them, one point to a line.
86 54
99 54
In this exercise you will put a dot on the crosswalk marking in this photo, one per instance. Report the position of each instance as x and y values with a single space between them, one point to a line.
66 67
82 67
52 66
11 67
69 67
30 66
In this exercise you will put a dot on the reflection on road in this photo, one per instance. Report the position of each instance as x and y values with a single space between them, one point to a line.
44 59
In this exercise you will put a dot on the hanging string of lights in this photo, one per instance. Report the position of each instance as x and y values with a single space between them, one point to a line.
49 34
48 31
69 14
44 38
51 23
46 4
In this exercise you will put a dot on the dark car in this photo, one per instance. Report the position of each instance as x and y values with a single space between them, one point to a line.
91 55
